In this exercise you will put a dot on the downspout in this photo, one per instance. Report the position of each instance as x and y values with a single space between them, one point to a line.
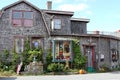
99 51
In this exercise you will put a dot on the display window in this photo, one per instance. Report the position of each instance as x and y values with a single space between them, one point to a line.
62 50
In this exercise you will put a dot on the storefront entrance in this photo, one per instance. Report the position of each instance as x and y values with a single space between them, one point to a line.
89 53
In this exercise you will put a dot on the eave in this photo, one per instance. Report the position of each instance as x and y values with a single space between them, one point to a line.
58 12
87 35
80 19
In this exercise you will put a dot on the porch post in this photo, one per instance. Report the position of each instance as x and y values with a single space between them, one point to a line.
53 50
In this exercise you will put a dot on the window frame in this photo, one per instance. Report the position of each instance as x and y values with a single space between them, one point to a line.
16 18
56 51
22 19
54 24
39 40
23 43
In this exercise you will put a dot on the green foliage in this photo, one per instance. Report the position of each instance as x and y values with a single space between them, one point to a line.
6 53
37 53
5 61
104 68
49 58
10 61
55 67
7 73
79 59
27 45
29 54
25 54
15 61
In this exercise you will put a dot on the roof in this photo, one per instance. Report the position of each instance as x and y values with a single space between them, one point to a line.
88 35
43 11
20 1
46 11
59 12
80 19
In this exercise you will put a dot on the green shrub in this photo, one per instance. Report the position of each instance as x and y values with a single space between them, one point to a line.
104 68
79 60
60 67
48 58
6 62
52 67
7 73
35 53
55 67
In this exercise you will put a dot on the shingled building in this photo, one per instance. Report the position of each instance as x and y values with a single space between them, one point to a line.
55 29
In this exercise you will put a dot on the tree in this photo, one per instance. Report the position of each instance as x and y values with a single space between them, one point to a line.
79 60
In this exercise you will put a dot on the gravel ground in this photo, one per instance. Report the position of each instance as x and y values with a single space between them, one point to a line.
92 76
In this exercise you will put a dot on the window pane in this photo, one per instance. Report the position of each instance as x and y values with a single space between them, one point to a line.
57 21
62 50
59 50
57 24
17 22
19 43
17 14
37 43
67 53
66 47
28 22
28 15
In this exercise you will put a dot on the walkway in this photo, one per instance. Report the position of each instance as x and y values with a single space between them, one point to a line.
92 76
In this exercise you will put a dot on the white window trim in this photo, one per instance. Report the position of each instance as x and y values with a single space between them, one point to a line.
54 25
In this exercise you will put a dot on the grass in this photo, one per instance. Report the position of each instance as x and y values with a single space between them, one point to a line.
7 73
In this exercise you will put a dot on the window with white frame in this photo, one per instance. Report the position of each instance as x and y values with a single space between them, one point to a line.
19 45
56 24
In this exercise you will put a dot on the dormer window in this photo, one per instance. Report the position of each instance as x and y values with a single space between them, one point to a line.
22 18
56 24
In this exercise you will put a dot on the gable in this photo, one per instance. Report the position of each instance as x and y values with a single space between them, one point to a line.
26 6
22 6
19 2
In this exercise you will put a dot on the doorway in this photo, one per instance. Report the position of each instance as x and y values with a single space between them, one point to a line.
89 53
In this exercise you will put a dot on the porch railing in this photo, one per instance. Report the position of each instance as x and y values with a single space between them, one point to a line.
117 34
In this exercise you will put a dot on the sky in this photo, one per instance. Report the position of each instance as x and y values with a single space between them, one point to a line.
104 15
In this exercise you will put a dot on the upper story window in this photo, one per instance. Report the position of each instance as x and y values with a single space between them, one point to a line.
56 24
22 18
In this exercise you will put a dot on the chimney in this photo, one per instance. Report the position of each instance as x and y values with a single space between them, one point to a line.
49 5
96 32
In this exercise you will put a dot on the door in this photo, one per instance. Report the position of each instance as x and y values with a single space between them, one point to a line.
89 52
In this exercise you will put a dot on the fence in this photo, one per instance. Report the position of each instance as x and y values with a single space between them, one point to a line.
117 34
